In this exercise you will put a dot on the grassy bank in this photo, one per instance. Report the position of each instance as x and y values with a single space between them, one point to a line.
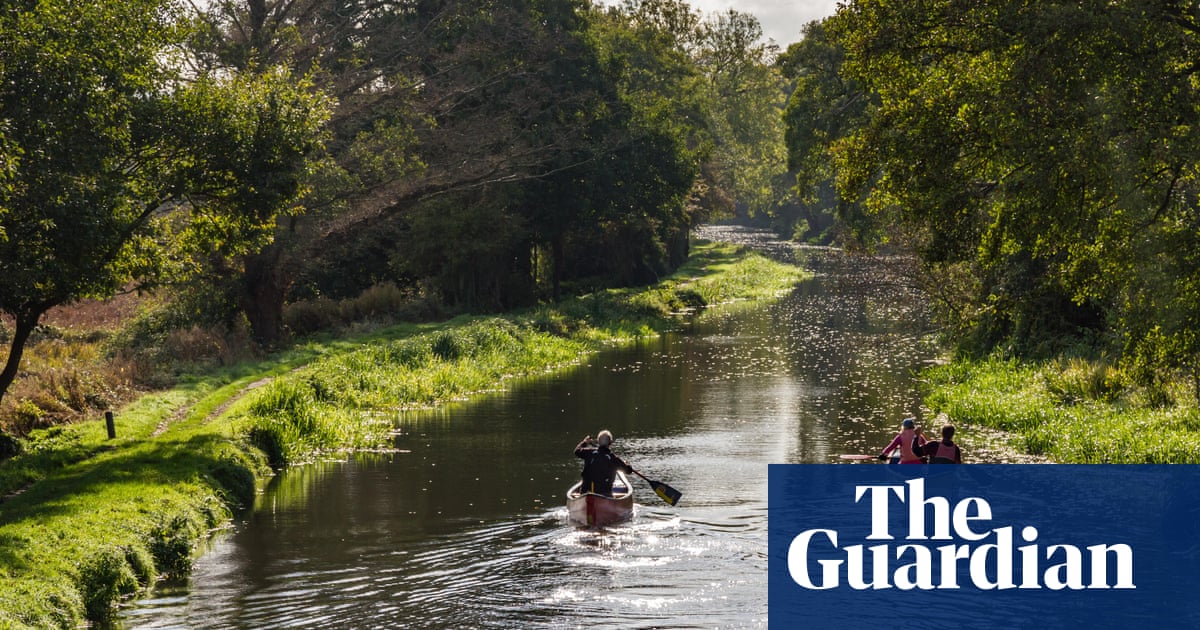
86 521
1072 411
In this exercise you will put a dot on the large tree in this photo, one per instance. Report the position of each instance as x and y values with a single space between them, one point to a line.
436 98
748 95
1045 149
824 108
116 168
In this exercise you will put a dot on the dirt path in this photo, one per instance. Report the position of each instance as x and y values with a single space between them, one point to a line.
215 413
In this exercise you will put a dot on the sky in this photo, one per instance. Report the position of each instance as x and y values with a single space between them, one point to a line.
781 19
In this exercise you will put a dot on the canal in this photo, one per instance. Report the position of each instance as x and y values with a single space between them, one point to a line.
465 526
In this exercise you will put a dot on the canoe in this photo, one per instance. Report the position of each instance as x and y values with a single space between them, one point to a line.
597 510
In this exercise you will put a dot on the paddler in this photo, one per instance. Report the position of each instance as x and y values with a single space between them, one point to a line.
600 465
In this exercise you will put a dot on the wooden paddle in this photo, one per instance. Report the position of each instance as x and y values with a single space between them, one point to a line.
664 492
858 457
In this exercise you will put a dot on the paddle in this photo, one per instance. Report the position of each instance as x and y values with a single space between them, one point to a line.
858 457
664 492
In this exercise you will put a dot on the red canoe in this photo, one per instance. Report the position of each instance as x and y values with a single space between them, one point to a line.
596 510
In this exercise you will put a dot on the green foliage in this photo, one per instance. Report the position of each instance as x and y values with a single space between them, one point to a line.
117 168
1076 380
39 604
105 578
1072 410
747 97
171 543
1041 149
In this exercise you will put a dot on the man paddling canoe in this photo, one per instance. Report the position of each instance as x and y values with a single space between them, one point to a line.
600 465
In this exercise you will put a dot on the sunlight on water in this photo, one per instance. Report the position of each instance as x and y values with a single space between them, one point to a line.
464 525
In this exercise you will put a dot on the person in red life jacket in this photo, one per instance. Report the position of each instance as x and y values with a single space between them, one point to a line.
600 465
909 435
944 451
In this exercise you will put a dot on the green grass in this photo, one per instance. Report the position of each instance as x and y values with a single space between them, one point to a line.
1073 411
88 521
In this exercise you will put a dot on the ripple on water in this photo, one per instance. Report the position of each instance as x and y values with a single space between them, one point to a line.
828 369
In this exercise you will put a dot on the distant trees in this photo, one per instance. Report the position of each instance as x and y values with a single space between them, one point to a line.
824 108
488 153
491 152
116 167
1041 158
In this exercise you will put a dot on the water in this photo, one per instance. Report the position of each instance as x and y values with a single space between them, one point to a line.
466 527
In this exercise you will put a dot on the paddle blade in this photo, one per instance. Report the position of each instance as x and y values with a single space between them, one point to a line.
665 492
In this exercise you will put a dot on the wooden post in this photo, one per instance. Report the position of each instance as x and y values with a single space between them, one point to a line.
108 422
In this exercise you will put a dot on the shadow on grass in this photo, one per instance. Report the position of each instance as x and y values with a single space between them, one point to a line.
115 496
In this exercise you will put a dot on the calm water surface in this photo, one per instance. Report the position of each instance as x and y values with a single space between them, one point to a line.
466 527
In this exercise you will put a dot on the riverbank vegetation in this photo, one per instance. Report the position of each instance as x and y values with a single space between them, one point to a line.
87 520
1070 410
1041 163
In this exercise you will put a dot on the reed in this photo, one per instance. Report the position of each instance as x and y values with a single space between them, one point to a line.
1071 410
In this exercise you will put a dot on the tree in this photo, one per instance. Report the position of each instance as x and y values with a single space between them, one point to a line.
1045 148
824 108
436 98
118 169
746 122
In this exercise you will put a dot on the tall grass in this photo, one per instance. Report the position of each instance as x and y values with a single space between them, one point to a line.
107 527
337 402
1072 410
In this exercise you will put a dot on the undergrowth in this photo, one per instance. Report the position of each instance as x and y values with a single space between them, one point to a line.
1072 410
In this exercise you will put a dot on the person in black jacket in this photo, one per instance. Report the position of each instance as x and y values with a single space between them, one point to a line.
600 465
942 452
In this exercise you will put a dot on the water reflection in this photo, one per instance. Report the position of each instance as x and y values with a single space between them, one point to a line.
466 527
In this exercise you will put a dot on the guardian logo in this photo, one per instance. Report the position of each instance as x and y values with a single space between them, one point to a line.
984 546
926 567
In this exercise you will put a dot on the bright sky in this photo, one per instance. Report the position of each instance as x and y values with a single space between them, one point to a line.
781 19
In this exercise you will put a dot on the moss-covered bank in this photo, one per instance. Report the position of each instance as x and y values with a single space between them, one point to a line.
1070 410
86 521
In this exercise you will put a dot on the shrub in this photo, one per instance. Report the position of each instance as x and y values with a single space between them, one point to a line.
1076 380
103 580
235 481
9 446
171 542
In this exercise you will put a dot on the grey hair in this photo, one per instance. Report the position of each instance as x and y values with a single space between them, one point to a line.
604 438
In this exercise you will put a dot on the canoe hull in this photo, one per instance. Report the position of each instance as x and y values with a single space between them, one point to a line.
596 510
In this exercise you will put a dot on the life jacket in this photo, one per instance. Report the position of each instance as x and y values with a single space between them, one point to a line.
945 454
907 456
598 470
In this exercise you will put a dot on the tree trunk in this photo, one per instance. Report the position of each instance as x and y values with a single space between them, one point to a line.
557 251
263 295
26 322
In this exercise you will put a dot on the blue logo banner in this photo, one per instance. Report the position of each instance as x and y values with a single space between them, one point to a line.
984 546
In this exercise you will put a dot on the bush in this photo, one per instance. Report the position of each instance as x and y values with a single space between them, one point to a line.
235 481
9 446
1077 380
385 303
171 544
103 580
